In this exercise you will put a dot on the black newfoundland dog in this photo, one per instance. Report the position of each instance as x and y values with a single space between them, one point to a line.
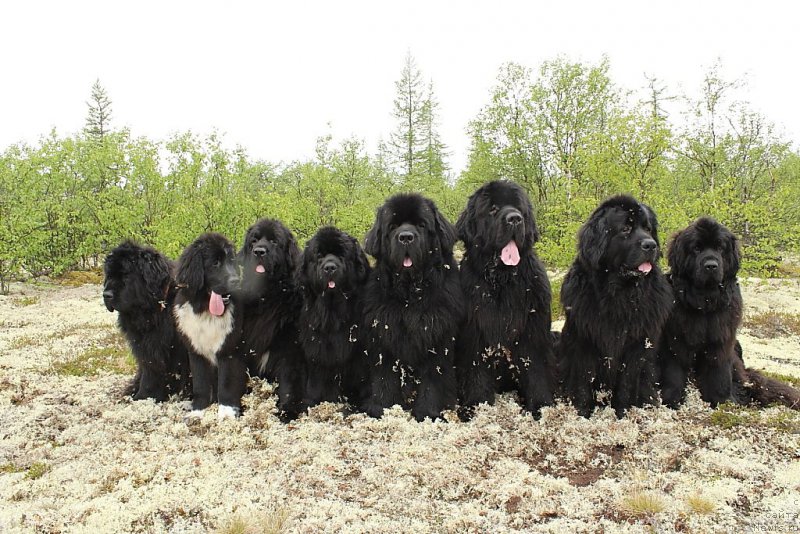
617 302
139 286
412 309
271 302
505 342
332 277
700 337
209 321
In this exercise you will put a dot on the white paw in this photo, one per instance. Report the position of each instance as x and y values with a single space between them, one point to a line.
227 412
194 415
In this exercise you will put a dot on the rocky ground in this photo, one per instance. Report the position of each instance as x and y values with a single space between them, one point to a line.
76 457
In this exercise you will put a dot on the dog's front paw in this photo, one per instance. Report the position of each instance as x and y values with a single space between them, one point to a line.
227 412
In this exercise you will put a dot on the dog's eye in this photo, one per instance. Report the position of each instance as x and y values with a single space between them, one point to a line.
392 227
494 209
697 247
421 224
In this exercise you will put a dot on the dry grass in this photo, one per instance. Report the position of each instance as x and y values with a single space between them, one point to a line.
263 523
108 355
80 278
641 504
25 301
36 470
700 505
24 342
771 324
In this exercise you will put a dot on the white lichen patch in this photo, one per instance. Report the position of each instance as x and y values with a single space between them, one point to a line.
75 457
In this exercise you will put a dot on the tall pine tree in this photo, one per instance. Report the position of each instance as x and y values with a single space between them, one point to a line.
99 118
415 145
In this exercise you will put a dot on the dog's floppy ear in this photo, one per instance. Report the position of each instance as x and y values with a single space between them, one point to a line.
191 272
677 253
155 272
361 263
373 242
245 250
444 231
292 251
733 257
531 229
465 225
593 239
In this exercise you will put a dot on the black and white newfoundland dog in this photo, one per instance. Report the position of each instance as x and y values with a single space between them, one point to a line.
700 337
413 306
617 302
139 286
332 276
271 301
210 322
505 342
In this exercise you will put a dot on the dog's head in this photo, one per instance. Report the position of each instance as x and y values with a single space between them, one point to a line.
498 220
704 252
410 234
269 254
621 237
333 261
207 269
136 277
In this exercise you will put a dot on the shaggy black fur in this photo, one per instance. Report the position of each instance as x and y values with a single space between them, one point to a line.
208 320
700 337
272 301
412 308
332 277
617 302
505 342
139 286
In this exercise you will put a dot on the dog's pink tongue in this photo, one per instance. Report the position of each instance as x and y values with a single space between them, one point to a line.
215 305
407 262
646 267
510 253
331 284
260 269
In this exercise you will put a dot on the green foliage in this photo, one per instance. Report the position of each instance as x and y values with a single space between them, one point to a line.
37 470
563 131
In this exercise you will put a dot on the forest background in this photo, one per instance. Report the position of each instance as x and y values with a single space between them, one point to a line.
564 130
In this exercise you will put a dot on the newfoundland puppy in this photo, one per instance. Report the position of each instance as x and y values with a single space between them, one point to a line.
209 321
700 336
271 302
505 342
412 309
617 302
139 286
332 277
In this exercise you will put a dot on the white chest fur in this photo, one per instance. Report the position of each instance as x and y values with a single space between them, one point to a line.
204 331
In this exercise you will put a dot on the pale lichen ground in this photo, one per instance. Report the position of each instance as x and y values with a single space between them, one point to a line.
74 457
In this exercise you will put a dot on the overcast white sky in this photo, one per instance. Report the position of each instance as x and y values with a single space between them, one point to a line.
272 76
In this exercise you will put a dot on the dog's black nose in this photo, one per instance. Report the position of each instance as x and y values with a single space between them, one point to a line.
108 294
514 218
649 244
259 251
711 265
329 267
406 238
